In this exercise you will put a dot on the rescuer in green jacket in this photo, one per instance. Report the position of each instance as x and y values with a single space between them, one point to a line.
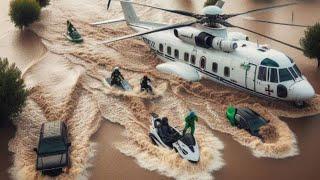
190 122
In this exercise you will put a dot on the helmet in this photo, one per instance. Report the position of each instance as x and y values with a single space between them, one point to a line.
191 113
116 68
165 120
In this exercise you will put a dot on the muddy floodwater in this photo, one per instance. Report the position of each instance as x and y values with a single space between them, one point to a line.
109 127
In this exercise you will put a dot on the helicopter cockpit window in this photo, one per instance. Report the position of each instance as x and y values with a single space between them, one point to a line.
161 47
193 59
293 72
262 73
269 62
285 75
273 73
176 53
169 50
186 57
295 67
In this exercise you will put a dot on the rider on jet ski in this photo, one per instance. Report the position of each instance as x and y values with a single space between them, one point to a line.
116 77
190 122
70 27
145 84
166 132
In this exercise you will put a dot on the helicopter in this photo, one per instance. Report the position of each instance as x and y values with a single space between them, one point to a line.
204 48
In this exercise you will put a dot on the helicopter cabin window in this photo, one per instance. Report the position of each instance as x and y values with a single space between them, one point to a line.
226 71
186 57
273 73
293 72
262 73
169 50
214 67
161 47
193 59
285 75
176 53
203 62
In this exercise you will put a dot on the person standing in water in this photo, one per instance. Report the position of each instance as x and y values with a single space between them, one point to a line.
190 122
145 84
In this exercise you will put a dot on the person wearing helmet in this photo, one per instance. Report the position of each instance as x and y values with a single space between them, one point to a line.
190 122
70 28
116 77
145 84
165 131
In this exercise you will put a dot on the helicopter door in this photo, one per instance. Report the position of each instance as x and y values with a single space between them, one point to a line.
251 76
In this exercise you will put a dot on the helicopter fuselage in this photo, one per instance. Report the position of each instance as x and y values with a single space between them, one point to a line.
250 67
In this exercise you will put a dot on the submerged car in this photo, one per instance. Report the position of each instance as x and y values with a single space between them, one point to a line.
53 148
247 119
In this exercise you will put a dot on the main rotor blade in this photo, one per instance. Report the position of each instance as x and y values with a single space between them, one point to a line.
150 31
227 16
272 22
268 37
181 12
109 2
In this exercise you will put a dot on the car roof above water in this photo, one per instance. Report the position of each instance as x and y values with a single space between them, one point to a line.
247 113
52 129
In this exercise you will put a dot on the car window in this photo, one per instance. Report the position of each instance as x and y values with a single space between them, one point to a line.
255 124
285 75
51 145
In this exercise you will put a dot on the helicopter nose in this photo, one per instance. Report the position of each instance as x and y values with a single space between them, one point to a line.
301 90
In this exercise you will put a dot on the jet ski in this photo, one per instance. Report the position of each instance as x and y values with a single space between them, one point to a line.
72 34
166 136
123 84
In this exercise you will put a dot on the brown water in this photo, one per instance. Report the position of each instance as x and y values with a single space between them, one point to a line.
61 73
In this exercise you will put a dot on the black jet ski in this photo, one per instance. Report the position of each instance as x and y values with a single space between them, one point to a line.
169 137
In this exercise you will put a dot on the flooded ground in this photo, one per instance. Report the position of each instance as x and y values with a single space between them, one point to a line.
75 71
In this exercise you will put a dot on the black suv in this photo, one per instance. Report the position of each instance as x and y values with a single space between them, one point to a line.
53 148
